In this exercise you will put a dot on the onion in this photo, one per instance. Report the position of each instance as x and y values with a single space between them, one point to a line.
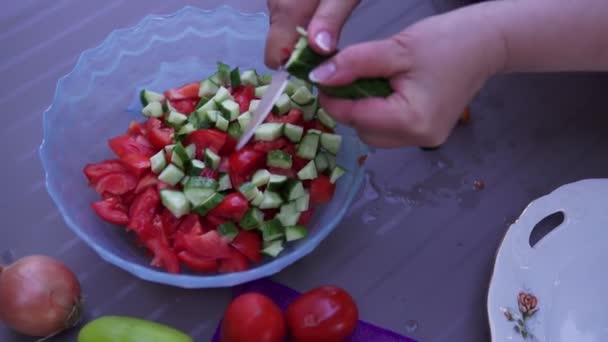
39 296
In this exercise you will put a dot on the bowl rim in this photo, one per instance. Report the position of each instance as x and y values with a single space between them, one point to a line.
184 280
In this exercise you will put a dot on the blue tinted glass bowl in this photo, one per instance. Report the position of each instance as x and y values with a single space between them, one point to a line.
99 98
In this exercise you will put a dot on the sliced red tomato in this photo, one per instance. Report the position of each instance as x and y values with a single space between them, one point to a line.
148 180
206 138
191 224
184 106
246 161
306 216
269 214
116 183
143 209
94 172
210 173
321 190
158 135
235 262
126 144
185 92
196 263
112 210
170 223
243 96
163 255
224 165
207 245
214 221
136 128
284 172
136 164
128 198
249 243
290 149
229 147
233 207
294 117
267 146
298 163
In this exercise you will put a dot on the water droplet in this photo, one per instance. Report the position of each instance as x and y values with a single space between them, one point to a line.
411 326
368 217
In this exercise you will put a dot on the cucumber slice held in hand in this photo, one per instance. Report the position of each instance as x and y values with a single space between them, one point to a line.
304 59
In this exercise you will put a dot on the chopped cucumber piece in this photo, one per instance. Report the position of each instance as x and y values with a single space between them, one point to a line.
146 97
230 109
336 173
171 175
265 79
326 119
308 147
215 78
249 190
260 91
207 89
235 78
244 119
253 219
249 78
212 160
288 215
253 105
196 167
271 200
293 132
175 201
303 203
198 189
176 119
269 131
158 162
282 105
274 248
201 103
187 128
276 182
180 156
224 182
167 107
202 183
209 105
294 84
212 115
278 158
221 123
191 151
211 202
169 148
222 95
303 97
153 109
309 171
272 230
223 73
184 180
235 130
314 131
293 189
194 120
293 233
259 197
321 162
309 111
260 177
331 160
331 142
228 230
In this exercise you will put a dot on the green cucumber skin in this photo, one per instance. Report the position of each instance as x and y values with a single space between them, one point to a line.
129 329
362 88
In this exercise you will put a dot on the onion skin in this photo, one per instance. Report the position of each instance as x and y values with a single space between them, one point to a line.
39 296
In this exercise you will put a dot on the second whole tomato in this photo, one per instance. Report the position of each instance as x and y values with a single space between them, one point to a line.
323 314
253 317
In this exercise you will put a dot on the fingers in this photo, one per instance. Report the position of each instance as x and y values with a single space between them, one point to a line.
381 58
285 16
325 27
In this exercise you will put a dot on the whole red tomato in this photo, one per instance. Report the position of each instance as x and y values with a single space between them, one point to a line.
323 314
253 317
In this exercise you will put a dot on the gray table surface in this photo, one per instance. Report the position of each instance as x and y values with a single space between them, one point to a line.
423 236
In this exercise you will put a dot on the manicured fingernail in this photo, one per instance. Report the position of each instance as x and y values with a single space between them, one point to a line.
323 40
322 72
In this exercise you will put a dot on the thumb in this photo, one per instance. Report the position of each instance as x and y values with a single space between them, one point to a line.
380 58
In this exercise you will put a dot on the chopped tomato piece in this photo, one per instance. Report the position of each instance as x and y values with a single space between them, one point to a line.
163 255
267 146
143 209
136 163
284 172
224 165
184 106
136 128
306 216
191 224
186 92
112 210
298 163
235 262
94 172
233 207
290 149
270 213
116 183
206 138
126 144
249 243
243 96
158 135
197 264
294 117
321 190
210 173
209 245
246 161
170 222
229 147
128 198
146 181
214 221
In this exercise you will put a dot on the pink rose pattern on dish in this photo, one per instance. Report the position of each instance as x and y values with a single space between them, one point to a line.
527 305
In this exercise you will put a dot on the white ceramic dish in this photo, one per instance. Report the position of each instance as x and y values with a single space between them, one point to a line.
556 291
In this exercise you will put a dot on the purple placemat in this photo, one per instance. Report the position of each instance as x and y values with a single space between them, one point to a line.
283 295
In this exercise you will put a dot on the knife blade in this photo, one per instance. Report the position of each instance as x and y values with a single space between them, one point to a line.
272 94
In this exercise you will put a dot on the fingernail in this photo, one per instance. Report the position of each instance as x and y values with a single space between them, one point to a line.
322 72
323 40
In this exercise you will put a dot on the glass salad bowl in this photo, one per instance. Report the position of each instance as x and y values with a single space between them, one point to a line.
100 97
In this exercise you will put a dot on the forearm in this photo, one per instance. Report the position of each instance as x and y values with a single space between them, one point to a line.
551 35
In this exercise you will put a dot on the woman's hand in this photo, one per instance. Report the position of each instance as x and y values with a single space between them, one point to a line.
435 67
326 19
